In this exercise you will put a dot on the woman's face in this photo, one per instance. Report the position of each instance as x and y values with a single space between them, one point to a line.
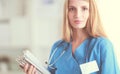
78 13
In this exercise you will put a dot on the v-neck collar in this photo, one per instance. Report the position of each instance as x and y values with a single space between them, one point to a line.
79 51
79 45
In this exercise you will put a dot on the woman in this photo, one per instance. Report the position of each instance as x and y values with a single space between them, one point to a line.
84 43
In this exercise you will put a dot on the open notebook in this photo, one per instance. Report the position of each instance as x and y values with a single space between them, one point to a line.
28 57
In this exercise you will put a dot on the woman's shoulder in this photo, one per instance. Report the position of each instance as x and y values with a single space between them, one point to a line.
58 42
102 43
101 40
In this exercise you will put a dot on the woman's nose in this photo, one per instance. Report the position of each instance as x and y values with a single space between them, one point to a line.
78 13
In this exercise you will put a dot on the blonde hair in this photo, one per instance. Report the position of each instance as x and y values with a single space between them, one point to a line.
93 25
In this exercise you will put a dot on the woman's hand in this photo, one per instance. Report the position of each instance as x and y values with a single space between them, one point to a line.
29 69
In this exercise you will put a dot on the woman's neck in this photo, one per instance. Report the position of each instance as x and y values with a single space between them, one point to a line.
79 36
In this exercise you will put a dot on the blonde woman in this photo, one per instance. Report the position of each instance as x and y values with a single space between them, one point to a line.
84 48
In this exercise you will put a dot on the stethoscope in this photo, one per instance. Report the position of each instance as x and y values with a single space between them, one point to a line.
49 64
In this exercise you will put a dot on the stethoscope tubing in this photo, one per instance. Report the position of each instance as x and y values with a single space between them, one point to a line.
50 59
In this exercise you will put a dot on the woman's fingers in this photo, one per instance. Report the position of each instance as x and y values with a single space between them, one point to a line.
30 69
26 67
34 71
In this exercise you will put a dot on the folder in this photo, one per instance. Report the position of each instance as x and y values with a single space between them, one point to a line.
28 57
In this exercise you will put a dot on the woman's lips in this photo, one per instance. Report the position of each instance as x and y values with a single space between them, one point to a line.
77 21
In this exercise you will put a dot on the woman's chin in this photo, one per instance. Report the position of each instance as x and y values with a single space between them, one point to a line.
79 26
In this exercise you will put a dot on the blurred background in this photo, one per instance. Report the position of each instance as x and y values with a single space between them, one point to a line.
36 25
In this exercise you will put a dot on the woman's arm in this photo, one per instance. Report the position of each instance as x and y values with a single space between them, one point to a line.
108 60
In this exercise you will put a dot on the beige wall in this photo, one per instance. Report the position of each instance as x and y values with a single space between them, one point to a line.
110 14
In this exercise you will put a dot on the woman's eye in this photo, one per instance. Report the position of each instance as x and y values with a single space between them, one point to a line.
71 9
84 8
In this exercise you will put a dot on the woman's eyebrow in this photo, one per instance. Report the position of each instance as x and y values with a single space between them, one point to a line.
85 6
71 6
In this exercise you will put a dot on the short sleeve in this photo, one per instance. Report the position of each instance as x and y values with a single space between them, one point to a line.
109 63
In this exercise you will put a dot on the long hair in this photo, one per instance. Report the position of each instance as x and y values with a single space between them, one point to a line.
93 25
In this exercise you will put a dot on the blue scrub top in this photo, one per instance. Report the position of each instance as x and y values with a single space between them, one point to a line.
99 49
